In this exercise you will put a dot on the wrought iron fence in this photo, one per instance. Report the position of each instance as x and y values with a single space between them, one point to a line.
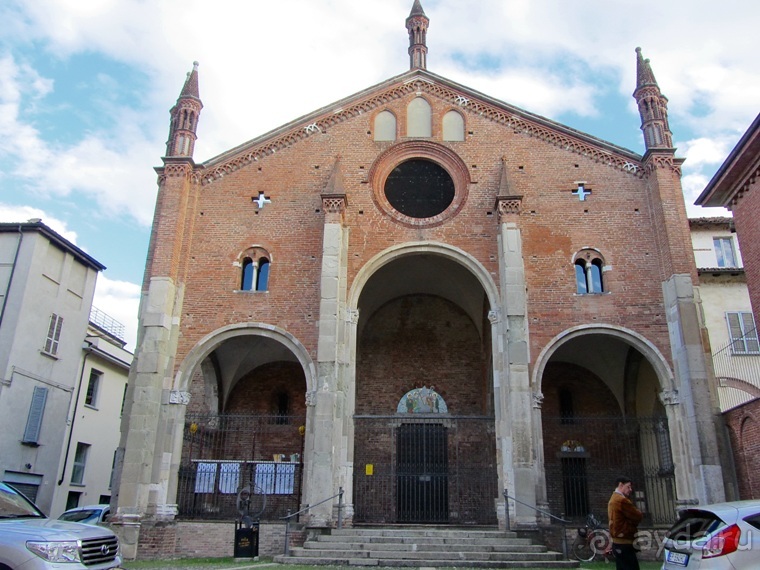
225 454
584 456
425 469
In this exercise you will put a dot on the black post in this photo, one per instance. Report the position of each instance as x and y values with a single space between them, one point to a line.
340 508
287 534
506 508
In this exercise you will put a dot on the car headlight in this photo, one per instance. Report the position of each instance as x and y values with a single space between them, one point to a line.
67 551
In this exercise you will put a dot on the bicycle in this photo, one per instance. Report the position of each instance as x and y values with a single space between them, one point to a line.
593 540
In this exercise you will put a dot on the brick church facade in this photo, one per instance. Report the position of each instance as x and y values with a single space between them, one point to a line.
440 305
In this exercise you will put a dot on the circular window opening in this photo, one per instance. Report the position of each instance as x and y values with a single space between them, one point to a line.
419 188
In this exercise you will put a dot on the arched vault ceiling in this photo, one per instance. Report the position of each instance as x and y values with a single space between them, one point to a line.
241 354
423 274
603 355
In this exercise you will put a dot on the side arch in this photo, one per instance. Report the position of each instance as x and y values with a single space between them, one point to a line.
214 339
637 341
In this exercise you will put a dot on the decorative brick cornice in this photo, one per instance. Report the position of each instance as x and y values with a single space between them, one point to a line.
334 205
744 188
666 161
491 111
175 170
508 205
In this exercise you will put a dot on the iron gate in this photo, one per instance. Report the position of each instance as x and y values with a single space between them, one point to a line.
584 455
428 469
223 455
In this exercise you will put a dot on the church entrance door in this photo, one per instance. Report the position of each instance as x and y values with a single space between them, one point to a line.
422 473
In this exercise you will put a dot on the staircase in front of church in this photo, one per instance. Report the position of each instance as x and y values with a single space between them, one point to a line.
422 546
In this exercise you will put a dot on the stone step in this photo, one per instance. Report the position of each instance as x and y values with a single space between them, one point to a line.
422 547
424 531
425 555
389 563
432 541
412 546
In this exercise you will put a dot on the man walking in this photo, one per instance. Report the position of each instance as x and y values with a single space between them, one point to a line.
624 522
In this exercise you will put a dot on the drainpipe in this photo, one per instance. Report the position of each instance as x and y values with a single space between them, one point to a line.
87 347
13 270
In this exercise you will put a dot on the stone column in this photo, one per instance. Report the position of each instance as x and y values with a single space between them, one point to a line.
512 392
325 445
692 408
143 466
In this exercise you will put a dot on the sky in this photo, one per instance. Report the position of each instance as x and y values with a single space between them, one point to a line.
86 87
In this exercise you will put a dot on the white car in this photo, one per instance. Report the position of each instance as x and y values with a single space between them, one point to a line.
723 536
91 514
31 541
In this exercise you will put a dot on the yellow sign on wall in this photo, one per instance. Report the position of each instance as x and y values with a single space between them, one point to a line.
369 469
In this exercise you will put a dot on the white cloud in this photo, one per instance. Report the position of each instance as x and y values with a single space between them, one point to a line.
10 213
121 301
112 169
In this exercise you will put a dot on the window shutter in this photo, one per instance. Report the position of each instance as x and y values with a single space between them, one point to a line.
750 333
54 334
36 410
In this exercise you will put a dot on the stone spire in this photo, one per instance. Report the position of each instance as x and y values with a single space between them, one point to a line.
417 25
184 118
653 106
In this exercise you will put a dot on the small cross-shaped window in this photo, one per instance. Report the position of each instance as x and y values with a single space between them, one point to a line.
260 200
582 191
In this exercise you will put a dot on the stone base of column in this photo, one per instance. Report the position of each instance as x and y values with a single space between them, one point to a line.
127 528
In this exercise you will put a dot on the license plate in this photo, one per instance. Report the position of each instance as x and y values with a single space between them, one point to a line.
677 558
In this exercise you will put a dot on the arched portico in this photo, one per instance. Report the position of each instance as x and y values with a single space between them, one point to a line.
245 421
419 283
604 391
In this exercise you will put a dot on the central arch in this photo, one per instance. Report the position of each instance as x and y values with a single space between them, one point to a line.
423 328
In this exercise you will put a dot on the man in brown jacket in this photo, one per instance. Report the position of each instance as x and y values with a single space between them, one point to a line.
624 522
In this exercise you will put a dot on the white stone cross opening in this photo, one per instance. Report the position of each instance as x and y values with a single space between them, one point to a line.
582 191
261 200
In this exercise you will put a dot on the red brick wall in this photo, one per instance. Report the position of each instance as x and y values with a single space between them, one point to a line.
184 539
743 425
421 340
555 224
748 234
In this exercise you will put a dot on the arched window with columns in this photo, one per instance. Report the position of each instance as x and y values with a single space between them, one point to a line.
589 269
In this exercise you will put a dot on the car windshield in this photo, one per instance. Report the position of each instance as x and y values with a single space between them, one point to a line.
693 524
87 516
14 505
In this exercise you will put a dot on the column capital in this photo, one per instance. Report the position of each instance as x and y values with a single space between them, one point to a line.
334 206
508 205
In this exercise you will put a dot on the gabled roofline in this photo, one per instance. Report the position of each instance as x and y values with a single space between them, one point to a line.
375 96
729 181
54 237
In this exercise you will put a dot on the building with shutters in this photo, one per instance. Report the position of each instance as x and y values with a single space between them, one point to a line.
46 292
734 186
422 299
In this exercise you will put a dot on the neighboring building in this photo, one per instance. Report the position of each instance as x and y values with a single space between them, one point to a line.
728 311
424 297
86 473
734 186
46 290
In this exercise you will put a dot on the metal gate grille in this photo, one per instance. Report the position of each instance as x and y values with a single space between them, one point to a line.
425 470
223 454
584 456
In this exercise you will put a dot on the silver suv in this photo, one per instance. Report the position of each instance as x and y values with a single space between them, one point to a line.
31 541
